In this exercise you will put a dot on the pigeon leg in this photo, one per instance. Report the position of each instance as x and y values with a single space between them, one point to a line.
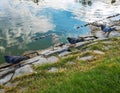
108 34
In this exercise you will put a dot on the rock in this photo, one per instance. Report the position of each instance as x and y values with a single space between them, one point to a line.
41 61
53 69
48 60
32 60
10 85
2 91
98 52
114 34
85 58
25 70
6 78
52 59
107 42
6 72
71 63
92 44
64 53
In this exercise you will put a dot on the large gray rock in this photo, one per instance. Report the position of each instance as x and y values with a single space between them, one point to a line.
25 70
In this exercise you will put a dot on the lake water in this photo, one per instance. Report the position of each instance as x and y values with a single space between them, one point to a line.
22 20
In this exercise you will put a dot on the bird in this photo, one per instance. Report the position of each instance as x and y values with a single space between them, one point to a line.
107 29
73 40
15 59
113 1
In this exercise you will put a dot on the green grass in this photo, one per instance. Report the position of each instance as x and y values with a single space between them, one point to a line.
101 75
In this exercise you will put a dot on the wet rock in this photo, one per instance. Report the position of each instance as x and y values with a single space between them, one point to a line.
85 58
6 78
113 1
98 52
25 70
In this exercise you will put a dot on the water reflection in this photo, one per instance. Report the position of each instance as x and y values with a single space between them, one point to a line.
20 20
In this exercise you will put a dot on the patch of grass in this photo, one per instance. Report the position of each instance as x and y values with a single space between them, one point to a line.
1 87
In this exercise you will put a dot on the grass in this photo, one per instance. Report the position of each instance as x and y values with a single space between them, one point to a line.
101 75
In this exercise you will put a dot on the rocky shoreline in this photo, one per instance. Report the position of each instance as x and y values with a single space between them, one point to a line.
50 56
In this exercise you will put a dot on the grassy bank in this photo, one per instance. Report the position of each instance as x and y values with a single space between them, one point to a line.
98 75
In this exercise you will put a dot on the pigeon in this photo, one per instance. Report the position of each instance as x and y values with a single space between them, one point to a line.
72 40
15 59
113 1
107 29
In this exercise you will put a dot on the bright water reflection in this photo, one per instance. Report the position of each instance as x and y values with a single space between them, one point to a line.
22 19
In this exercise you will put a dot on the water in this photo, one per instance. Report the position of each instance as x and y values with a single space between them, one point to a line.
20 20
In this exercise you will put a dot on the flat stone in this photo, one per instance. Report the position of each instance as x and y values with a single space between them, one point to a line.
64 53
41 61
32 60
52 59
48 60
85 58
7 71
25 70
6 78
98 52
48 52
